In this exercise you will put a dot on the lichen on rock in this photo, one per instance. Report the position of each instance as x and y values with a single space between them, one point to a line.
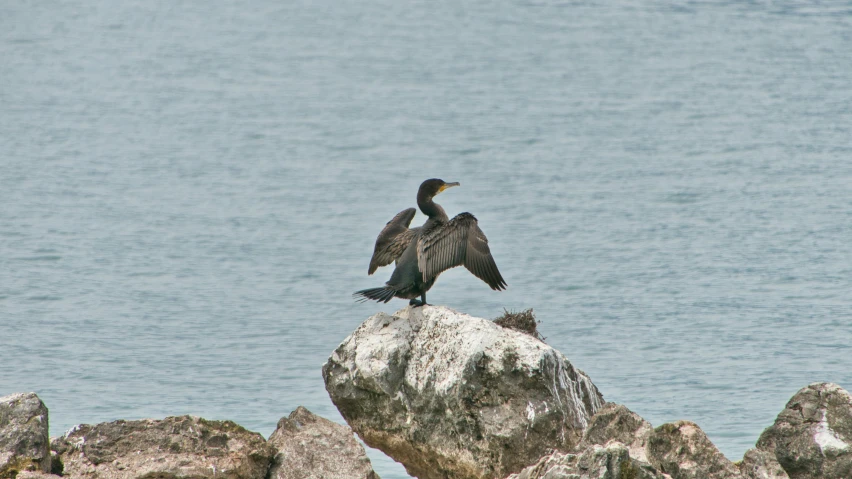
24 436
177 446
682 450
619 444
757 464
614 422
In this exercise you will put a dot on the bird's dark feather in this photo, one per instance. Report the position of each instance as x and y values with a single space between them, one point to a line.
456 243
393 240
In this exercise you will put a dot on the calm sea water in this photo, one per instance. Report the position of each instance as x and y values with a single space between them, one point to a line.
190 193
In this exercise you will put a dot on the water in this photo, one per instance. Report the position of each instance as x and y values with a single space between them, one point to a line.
191 192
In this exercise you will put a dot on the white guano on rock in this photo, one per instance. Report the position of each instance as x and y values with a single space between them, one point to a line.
826 438
451 395
811 437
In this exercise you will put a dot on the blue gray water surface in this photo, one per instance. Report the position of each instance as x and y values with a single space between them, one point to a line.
190 193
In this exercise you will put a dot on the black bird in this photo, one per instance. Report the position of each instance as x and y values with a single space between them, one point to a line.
421 254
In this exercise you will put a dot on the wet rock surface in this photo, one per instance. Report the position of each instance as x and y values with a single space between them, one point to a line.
174 447
310 446
450 395
812 436
24 435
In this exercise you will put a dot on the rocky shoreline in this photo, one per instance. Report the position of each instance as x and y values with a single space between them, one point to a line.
303 445
449 396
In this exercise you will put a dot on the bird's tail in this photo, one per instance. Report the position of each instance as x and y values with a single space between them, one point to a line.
382 295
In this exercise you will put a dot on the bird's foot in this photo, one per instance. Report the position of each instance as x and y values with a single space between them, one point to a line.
417 303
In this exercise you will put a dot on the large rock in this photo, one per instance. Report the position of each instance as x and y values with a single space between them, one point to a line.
618 444
174 447
614 422
757 464
24 435
450 395
310 446
812 436
682 450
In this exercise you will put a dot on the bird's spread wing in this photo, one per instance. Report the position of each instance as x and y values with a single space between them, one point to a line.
459 242
393 239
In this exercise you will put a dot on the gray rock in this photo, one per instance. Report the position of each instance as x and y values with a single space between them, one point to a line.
35 475
24 436
613 447
612 461
614 422
450 395
310 446
812 436
682 450
556 465
757 464
174 447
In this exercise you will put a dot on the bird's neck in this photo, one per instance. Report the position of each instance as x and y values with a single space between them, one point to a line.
431 209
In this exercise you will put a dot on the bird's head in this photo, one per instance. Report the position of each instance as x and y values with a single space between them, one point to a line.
430 188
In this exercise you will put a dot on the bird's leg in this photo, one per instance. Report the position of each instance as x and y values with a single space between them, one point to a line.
417 303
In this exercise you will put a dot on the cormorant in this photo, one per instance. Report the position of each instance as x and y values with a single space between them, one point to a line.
421 254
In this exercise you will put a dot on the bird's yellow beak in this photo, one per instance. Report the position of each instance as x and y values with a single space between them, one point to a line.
448 185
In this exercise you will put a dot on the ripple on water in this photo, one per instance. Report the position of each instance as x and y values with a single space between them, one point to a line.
44 298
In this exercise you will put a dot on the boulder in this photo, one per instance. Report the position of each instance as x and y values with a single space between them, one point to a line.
24 436
612 461
174 447
682 450
812 436
614 422
310 446
757 464
618 444
450 395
